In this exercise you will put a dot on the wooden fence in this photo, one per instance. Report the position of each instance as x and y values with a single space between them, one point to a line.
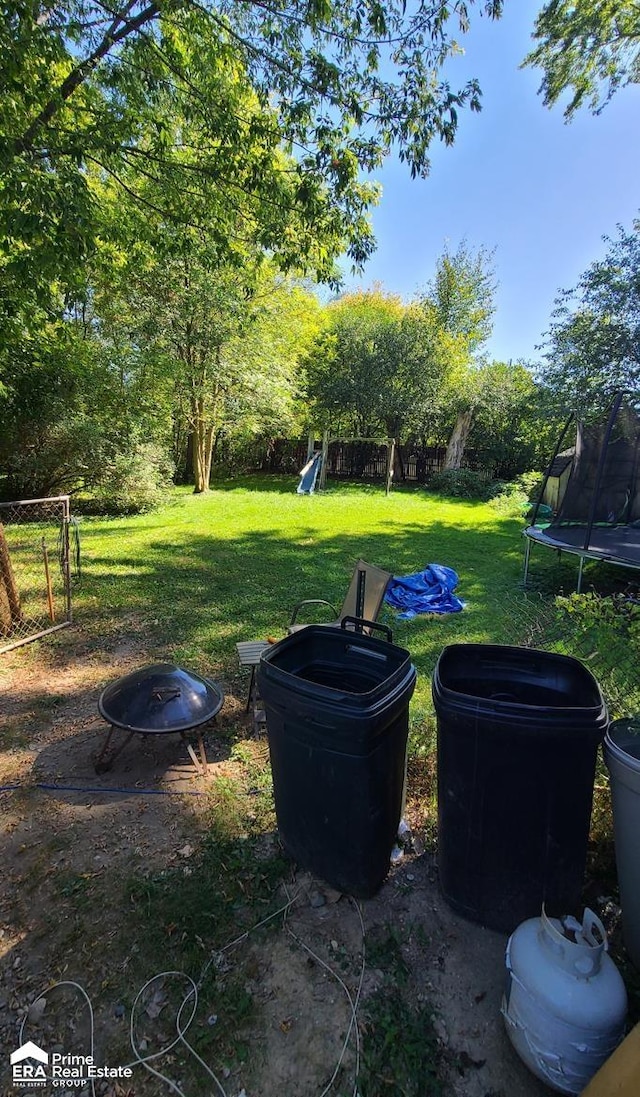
359 460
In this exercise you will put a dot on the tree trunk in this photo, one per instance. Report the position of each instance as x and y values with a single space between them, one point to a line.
204 428
458 440
201 440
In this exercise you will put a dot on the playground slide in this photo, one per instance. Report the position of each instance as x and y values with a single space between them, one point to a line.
309 475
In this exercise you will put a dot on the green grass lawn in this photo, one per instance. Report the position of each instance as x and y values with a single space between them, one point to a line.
207 571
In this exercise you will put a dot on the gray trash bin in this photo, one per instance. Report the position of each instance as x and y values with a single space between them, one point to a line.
622 755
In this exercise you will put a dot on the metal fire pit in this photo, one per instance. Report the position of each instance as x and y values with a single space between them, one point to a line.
158 700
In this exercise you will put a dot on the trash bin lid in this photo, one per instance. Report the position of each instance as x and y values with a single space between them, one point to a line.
335 666
160 698
623 738
516 678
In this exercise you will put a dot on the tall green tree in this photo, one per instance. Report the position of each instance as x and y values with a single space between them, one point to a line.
199 287
221 342
355 362
460 300
377 368
587 48
592 348
408 371
505 431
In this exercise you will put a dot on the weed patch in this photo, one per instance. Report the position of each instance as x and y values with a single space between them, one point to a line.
384 951
400 1053
201 905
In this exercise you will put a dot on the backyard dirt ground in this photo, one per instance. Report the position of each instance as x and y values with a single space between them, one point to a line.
65 854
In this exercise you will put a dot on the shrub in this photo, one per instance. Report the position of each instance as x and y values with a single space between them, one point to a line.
604 631
510 501
133 481
530 483
460 484
516 497
50 459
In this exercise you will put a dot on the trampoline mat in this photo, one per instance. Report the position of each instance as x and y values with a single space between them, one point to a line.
616 544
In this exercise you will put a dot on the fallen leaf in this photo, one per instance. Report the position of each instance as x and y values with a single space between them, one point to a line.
156 1004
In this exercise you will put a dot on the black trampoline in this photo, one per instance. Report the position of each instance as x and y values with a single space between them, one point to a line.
598 517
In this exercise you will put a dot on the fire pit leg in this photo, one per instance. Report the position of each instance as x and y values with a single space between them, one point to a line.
203 754
198 766
102 765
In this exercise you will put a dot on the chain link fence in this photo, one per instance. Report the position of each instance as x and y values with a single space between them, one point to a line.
35 569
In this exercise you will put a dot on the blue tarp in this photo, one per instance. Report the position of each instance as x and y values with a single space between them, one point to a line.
428 591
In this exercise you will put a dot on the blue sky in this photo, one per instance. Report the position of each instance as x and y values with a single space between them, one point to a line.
518 179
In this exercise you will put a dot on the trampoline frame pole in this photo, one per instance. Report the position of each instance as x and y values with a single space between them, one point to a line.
580 568
547 474
527 551
527 554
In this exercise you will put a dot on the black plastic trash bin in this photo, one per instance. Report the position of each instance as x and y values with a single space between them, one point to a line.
518 733
337 709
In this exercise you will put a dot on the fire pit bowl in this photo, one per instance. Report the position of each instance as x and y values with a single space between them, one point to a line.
161 699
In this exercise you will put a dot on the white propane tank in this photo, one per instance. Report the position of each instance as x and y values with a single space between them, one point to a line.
565 1003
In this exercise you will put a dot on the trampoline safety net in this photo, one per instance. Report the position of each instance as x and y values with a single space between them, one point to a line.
598 517
603 486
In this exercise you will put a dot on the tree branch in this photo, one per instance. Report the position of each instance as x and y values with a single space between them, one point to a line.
79 74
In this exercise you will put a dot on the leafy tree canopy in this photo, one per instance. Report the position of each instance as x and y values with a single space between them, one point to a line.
589 48
593 344
506 428
461 295
352 363
336 85
383 367
460 299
